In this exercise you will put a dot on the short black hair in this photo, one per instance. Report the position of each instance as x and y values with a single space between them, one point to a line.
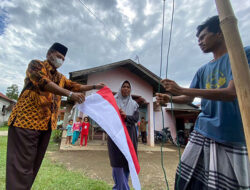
212 24
70 120
142 118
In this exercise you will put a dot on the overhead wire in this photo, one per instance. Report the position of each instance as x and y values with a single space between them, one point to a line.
135 56
171 98
162 33
104 24
159 89
170 37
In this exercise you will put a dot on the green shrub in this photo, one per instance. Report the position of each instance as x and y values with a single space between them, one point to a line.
4 124
4 128
57 135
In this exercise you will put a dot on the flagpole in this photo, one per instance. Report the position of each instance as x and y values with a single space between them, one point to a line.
239 63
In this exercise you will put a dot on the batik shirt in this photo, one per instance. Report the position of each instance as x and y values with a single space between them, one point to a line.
219 120
35 108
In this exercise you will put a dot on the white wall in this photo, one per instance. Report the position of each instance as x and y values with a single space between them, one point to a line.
113 78
4 118
168 120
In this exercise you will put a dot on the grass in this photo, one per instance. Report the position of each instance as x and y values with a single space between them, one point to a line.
4 128
3 145
53 176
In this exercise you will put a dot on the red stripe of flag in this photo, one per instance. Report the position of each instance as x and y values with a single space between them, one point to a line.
106 93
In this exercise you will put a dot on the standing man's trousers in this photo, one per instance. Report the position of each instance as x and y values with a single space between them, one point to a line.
25 151
144 137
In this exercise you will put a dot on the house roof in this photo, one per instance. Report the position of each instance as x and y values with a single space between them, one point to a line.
138 69
179 107
6 98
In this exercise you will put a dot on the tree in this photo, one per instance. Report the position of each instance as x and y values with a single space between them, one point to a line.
12 92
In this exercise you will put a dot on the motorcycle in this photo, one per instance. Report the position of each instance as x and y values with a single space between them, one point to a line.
181 138
159 137
164 136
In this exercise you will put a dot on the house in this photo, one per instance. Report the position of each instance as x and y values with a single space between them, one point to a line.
6 105
176 117
144 86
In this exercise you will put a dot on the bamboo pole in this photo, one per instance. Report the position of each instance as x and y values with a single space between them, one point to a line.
239 63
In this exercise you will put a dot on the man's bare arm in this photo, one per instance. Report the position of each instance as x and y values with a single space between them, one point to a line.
165 98
221 94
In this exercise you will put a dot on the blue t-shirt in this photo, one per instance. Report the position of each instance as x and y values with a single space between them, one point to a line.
219 120
69 130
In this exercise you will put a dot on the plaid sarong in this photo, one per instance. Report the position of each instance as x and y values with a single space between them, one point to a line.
208 165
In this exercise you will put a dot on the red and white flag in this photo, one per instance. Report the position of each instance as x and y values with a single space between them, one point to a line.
102 108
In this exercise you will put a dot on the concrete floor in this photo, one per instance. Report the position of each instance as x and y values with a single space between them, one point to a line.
102 145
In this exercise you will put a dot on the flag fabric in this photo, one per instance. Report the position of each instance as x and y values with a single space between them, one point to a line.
102 108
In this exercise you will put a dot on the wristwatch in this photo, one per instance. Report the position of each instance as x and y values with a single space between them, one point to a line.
94 86
70 94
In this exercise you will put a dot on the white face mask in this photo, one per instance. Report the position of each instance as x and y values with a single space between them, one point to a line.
57 62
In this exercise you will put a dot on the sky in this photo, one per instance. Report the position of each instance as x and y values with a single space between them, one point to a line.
118 30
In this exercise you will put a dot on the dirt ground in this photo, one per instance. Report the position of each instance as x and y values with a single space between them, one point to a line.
95 164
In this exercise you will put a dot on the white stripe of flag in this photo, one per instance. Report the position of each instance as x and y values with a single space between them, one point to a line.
102 108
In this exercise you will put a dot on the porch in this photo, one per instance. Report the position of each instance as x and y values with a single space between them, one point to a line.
101 145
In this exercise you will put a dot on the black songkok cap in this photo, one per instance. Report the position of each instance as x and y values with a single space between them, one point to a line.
59 47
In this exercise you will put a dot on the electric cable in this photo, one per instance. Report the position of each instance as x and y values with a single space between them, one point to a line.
159 88
104 24
171 97
171 100
135 56
170 37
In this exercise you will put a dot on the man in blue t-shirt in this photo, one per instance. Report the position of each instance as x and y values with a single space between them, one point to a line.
216 155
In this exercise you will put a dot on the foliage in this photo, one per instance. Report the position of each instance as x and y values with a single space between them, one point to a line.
53 176
53 146
56 135
12 92
4 128
4 124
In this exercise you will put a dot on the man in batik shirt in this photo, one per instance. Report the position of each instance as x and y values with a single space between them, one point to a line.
35 115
